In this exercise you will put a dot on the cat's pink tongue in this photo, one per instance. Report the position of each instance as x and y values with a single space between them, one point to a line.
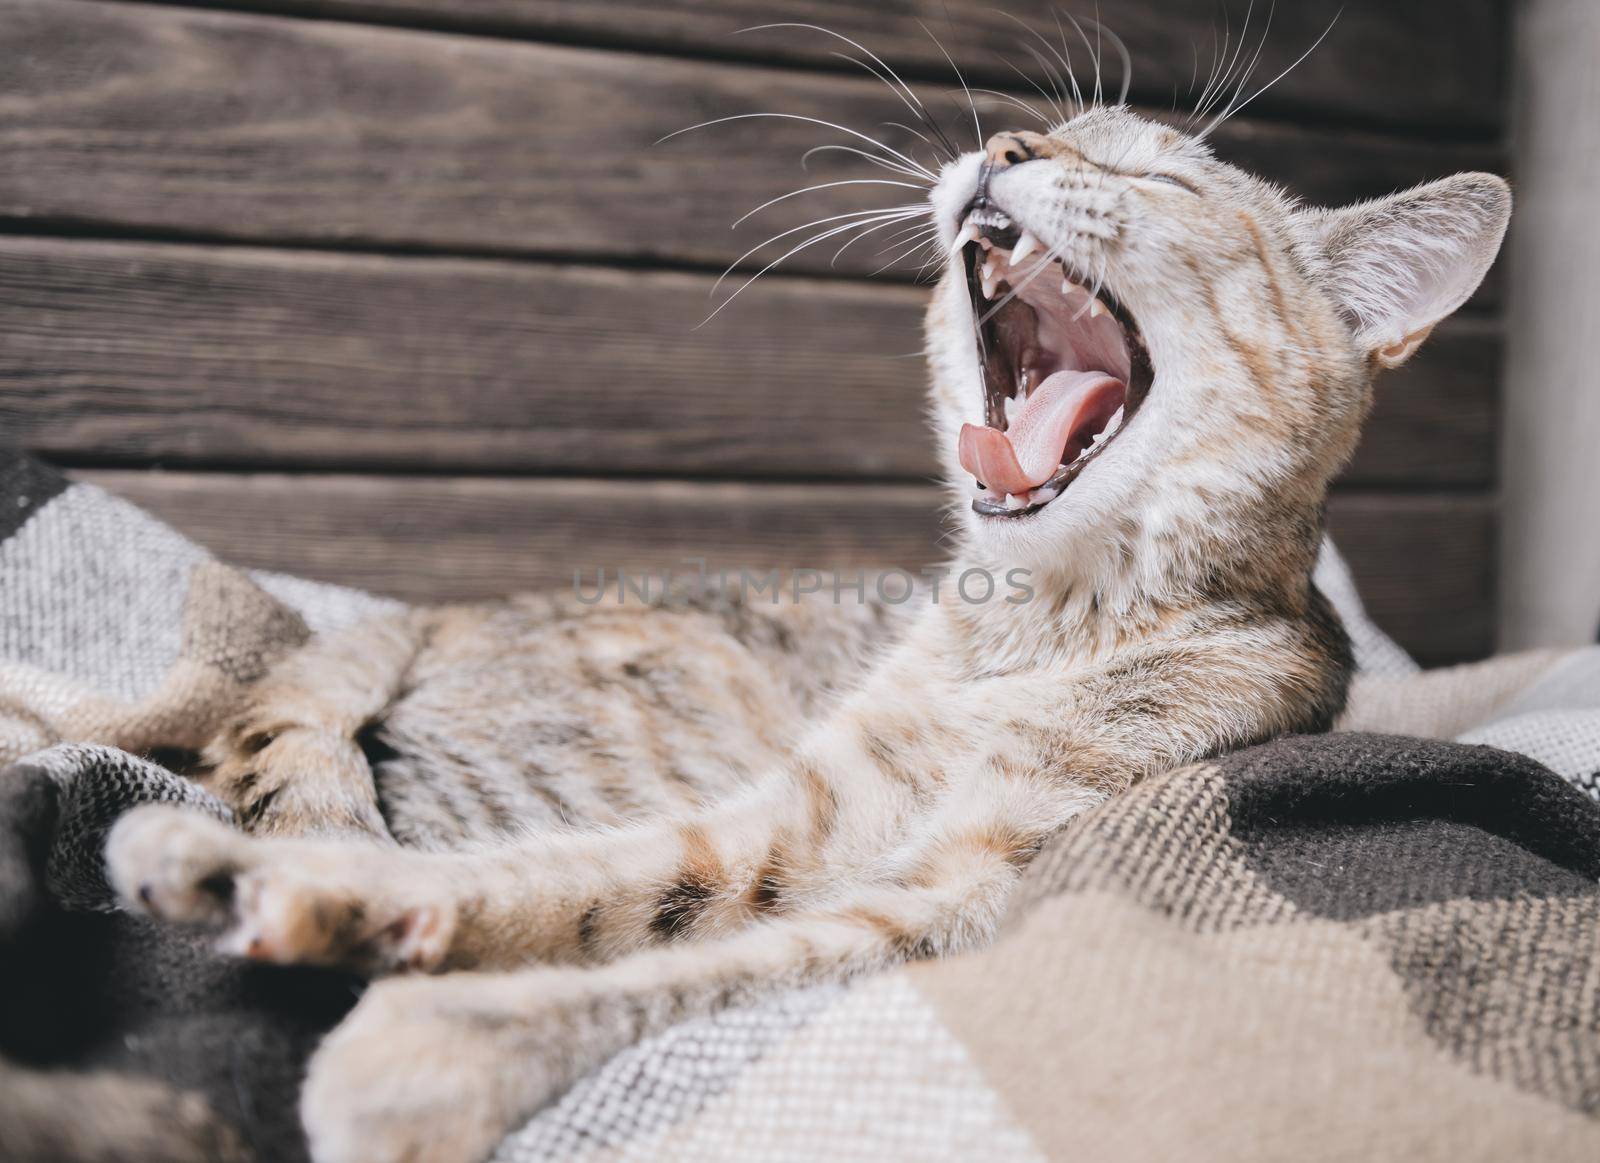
1067 408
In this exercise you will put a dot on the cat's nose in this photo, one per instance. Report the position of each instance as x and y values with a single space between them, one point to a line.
1015 146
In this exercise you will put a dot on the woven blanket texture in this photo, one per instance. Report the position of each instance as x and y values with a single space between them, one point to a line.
1377 943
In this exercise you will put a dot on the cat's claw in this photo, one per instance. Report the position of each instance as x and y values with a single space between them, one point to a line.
281 901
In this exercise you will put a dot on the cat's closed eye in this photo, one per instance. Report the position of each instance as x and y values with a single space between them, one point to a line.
1172 180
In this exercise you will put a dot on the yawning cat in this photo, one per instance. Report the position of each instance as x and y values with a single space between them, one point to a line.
1146 367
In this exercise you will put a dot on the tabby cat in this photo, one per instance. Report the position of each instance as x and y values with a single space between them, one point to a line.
1172 360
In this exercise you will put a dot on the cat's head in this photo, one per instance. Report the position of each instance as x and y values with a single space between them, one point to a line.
1203 398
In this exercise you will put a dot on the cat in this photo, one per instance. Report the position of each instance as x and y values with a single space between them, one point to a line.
1146 366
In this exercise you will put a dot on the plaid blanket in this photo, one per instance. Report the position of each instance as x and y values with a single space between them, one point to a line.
1362 944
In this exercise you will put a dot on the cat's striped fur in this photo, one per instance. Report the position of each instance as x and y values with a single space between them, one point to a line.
878 784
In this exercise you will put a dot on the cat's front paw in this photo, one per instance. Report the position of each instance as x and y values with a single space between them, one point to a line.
424 1070
175 864
337 904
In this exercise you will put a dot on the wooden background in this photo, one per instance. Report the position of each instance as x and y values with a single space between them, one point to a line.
402 294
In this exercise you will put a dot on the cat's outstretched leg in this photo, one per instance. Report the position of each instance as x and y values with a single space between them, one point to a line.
828 819
575 898
290 762
440 1068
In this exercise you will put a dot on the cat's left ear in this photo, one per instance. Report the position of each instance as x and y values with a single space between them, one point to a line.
1400 264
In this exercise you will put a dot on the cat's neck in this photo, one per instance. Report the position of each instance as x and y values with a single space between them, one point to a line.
1114 594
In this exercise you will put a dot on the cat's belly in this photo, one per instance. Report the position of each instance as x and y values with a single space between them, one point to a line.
515 719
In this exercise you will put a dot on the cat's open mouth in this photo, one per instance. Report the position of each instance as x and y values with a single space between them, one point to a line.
1064 369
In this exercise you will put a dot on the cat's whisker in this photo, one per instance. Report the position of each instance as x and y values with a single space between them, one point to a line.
860 222
1294 65
1238 75
1090 49
880 69
853 239
845 129
927 227
1056 80
821 186
832 218
1066 58
1126 59
906 251
1219 53
932 264
1019 103
1049 69
927 248
920 111
977 126
884 163
1226 80
1094 53
1055 101
912 130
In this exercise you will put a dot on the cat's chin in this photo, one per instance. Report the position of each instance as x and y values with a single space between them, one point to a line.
1062 364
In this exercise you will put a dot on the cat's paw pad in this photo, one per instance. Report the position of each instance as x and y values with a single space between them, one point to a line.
288 914
174 863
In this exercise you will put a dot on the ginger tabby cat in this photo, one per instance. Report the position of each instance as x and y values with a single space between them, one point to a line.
1146 367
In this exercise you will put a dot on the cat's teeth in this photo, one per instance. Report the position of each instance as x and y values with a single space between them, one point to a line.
1042 495
1026 245
1012 404
1098 437
1115 422
969 233
1097 309
1015 502
988 277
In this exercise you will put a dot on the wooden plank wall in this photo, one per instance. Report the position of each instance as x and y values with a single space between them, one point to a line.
402 293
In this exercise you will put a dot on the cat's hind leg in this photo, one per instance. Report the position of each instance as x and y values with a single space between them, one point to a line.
290 762
440 1068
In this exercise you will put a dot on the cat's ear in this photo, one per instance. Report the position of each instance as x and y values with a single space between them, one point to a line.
1400 264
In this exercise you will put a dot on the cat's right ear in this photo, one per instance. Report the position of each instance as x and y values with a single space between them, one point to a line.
1398 265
